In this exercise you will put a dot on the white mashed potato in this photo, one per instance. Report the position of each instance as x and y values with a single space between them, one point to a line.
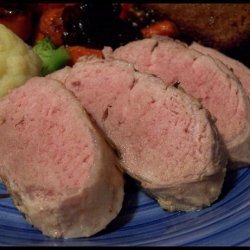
18 62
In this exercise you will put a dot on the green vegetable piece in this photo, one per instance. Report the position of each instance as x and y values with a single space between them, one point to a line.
52 58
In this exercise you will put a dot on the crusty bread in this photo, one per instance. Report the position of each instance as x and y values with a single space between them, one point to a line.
221 26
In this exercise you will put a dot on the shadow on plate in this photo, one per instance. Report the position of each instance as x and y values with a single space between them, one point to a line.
229 183
130 204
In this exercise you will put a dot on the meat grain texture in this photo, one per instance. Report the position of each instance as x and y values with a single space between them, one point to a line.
203 77
238 68
59 171
165 139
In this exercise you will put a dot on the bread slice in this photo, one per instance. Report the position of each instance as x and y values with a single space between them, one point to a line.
221 26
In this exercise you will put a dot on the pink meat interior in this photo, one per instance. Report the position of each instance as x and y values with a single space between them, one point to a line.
48 149
199 76
239 69
152 126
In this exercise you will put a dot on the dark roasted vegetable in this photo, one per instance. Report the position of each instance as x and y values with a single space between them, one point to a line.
97 25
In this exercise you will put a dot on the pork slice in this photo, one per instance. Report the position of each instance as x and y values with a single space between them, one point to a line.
238 68
165 139
202 77
59 171
60 75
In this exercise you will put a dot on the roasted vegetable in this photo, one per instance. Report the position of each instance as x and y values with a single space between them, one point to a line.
51 25
78 51
17 19
162 28
52 58
97 25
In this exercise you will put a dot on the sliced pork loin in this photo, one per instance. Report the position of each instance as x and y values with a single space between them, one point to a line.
202 77
61 74
165 139
239 69
58 169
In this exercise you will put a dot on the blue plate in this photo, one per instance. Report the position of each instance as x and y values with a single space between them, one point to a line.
143 223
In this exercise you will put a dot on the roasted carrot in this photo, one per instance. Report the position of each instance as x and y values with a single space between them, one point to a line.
51 25
78 51
19 23
125 10
162 28
38 36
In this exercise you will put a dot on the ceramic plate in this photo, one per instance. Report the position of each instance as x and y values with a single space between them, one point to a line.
142 222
